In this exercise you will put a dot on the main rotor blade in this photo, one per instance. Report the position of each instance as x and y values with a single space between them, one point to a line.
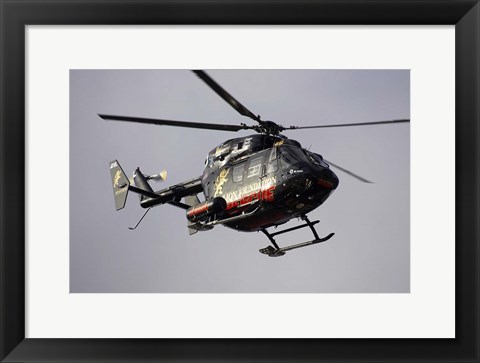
349 172
351 124
225 95
195 125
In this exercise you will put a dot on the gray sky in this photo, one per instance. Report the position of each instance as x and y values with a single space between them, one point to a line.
370 251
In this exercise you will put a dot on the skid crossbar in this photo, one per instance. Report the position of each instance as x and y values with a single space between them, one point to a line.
277 251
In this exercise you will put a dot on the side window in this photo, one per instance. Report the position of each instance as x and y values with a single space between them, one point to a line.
273 154
272 161
254 167
238 173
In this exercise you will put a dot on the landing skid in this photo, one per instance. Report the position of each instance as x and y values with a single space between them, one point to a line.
276 251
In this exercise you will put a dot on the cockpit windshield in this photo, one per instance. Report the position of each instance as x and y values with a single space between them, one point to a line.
291 155
315 158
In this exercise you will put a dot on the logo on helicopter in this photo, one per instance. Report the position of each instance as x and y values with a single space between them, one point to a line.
291 171
221 180
116 178
258 191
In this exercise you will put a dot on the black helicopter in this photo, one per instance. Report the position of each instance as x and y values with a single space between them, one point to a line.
249 183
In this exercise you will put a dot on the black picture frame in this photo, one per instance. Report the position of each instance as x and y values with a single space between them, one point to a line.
15 15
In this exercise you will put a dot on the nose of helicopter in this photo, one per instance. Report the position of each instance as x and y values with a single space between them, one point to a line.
328 179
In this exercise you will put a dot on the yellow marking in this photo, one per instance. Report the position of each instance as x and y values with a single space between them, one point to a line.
278 143
116 178
221 180
222 149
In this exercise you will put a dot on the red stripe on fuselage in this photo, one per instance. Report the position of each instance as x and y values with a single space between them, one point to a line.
198 210
265 195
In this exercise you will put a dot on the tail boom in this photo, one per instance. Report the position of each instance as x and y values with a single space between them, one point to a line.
171 195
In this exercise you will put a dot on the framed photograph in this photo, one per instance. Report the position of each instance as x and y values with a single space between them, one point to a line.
279 105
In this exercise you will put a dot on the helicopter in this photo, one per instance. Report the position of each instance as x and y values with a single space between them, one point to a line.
250 183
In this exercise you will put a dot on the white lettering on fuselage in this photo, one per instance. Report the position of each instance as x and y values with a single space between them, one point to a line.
250 189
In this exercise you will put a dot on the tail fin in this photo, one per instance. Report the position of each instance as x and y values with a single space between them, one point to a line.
120 184
141 182
191 200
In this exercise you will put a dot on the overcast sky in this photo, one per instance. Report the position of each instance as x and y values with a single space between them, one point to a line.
370 251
